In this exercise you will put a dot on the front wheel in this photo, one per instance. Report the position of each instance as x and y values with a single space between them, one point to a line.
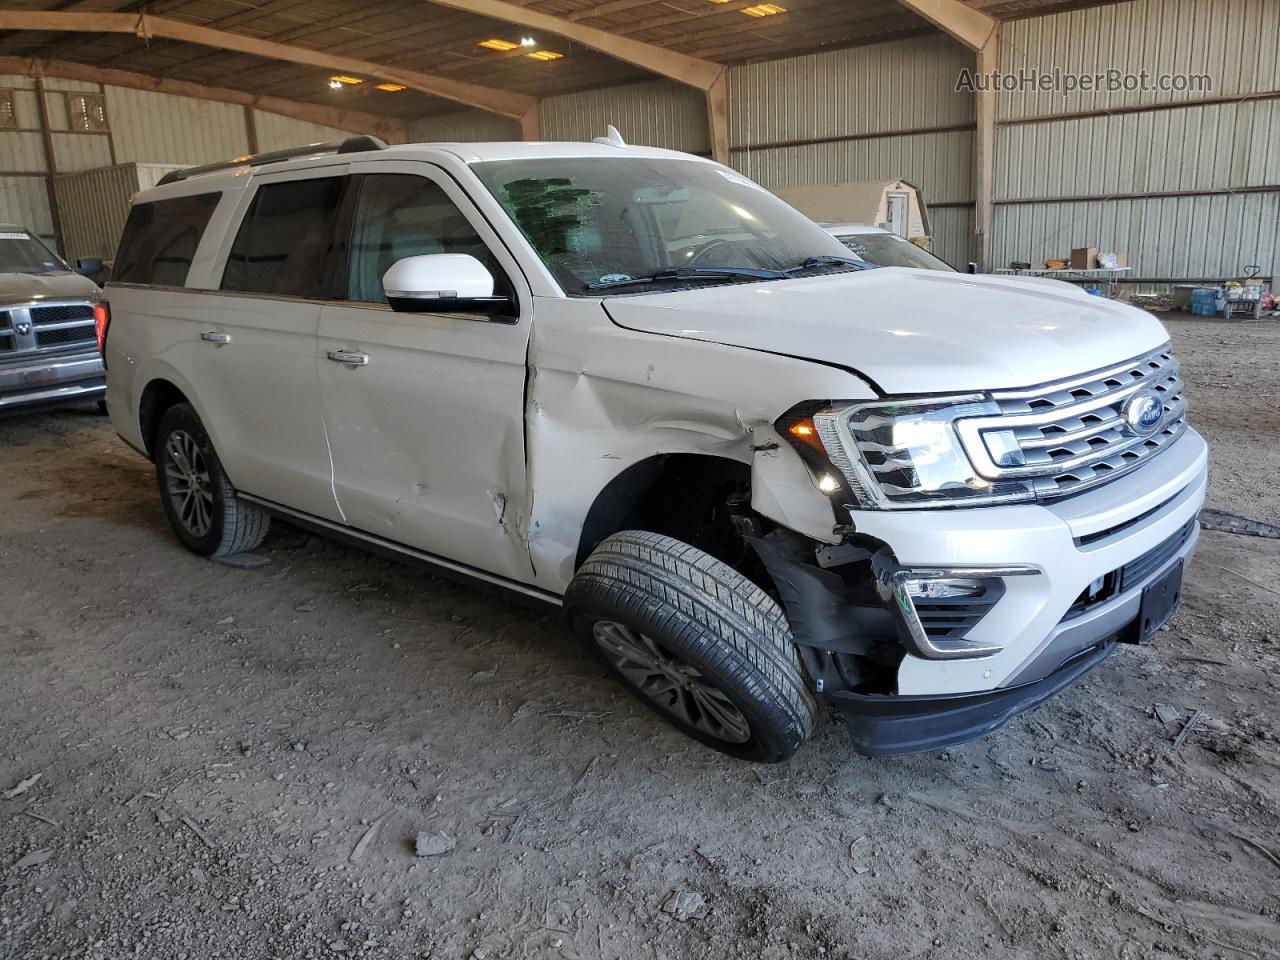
198 497
696 641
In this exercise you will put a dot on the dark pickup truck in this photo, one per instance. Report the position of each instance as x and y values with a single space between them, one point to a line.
48 327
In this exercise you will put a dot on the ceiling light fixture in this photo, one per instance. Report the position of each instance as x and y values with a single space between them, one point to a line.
496 44
528 42
544 55
335 85
342 80
390 87
763 10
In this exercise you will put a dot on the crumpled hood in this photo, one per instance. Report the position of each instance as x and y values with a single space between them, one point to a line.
909 331
22 287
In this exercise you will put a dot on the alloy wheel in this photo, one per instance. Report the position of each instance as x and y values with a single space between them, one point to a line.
677 687
187 479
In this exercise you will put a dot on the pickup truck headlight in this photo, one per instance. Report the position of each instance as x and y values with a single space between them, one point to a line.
900 454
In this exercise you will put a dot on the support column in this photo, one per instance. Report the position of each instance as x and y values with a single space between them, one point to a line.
50 162
718 117
984 159
531 123
250 129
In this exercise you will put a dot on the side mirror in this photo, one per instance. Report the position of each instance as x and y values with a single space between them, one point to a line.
89 266
443 283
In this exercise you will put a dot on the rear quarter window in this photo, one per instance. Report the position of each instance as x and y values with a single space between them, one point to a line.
285 240
160 239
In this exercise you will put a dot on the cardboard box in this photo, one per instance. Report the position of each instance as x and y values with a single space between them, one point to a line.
1084 258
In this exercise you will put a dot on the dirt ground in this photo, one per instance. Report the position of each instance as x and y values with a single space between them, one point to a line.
235 763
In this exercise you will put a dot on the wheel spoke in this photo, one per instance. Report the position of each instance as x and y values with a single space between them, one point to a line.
678 688
190 487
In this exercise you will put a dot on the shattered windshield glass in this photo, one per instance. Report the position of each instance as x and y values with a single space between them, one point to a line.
643 224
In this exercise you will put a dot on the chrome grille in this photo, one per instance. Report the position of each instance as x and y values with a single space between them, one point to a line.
1067 436
47 327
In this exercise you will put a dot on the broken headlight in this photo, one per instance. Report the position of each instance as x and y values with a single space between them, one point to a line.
902 454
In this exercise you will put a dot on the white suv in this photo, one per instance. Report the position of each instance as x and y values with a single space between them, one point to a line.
754 471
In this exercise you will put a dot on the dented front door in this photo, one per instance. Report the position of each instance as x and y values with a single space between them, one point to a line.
425 412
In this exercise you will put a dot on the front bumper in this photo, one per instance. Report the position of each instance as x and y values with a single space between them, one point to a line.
51 380
889 726
1037 638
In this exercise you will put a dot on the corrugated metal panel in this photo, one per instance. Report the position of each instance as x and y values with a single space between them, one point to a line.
1237 42
56 104
21 151
80 151
149 174
904 85
76 86
941 164
92 207
468 126
17 81
1208 236
656 114
953 235
1227 145
161 128
276 132
25 201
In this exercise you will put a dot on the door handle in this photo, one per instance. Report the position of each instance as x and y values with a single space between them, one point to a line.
349 357
213 336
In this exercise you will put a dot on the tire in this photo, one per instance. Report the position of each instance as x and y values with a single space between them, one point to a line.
696 641
102 408
212 521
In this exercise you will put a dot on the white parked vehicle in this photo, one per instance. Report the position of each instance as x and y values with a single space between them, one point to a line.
753 471
883 248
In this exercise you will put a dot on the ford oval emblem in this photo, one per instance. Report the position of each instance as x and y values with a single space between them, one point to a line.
1143 413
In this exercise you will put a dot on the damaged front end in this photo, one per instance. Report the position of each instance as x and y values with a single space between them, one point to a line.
856 613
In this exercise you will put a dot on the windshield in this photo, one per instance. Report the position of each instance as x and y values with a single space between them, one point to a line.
891 250
22 253
607 221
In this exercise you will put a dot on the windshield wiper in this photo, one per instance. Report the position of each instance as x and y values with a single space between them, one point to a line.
688 274
826 260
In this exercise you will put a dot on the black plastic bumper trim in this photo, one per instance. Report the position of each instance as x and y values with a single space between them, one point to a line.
892 726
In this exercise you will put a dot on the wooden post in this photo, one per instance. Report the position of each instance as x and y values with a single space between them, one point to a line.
50 162
531 123
250 129
718 117
984 158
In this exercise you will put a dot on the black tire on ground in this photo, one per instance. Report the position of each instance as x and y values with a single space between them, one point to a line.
198 499
688 634
102 408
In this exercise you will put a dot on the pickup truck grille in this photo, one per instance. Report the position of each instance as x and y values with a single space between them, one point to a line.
1067 436
50 327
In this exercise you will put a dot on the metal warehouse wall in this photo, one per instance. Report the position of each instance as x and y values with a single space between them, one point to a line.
1185 190
155 131
277 133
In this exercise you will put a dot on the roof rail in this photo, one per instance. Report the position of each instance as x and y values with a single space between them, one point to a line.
358 144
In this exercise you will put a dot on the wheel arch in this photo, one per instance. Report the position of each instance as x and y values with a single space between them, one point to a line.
680 495
159 395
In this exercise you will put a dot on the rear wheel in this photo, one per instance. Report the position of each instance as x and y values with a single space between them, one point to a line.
198 497
696 641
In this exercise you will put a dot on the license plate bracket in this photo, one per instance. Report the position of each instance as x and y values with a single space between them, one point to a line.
1159 601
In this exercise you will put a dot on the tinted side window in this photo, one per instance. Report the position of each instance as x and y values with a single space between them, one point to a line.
400 215
284 240
160 239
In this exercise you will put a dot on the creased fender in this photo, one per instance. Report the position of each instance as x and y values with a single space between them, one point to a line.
602 398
